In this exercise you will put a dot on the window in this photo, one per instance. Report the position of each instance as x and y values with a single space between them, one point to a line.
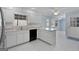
56 23
20 20
20 17
49 25
74 21
77 21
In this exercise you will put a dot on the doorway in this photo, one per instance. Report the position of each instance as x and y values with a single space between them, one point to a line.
33 34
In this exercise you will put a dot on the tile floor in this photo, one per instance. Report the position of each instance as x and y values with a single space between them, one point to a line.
36 45
65 44
62 44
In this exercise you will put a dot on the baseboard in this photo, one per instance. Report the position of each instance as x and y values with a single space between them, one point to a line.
44 41
3 49
28 42
73 38
17 45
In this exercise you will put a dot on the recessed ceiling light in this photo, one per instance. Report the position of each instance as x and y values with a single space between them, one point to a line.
33 8
47 28
29 11
56 13
10 7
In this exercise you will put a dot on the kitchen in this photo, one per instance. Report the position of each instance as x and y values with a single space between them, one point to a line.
26 24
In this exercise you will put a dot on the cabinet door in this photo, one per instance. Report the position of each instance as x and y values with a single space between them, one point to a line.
26 36
20 37
11 38
47 36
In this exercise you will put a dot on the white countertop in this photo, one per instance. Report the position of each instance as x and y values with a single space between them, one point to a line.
28 27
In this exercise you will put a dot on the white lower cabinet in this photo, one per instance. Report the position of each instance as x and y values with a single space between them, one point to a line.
16 37
11 39
48 36
22 36
25 36
19 37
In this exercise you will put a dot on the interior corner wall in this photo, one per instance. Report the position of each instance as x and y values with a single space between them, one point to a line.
36 19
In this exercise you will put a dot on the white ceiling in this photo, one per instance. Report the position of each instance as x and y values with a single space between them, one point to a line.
46 11
49 10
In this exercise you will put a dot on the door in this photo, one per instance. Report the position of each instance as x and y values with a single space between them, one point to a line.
33 34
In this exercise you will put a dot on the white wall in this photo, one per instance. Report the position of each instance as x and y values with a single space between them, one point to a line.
31 17
9 16
36 19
